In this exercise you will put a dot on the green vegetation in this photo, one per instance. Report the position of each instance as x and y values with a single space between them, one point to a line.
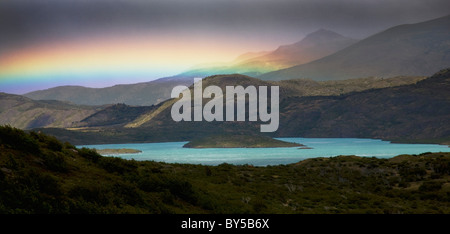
117 151
39 174
238 141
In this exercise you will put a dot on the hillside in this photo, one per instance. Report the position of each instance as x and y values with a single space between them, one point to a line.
307 87
40 175
410 50
290 88
22 112
140 94
113 115
416 112
25 113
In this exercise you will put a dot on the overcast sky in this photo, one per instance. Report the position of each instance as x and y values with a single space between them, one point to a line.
272 22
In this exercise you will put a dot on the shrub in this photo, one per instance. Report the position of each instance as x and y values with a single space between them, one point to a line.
410 173
18 139
55 162
89 154
54 144
89 193
259 206
150 183
182 189
116 165
430 186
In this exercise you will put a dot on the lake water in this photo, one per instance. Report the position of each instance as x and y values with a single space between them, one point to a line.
173 152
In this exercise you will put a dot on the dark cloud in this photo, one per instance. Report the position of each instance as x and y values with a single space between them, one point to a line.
284 20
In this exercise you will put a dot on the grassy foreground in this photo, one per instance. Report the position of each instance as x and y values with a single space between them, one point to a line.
39 174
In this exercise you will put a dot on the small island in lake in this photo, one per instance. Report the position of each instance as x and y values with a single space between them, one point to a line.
117 151
238 141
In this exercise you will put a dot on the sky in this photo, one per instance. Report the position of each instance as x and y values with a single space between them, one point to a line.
100 43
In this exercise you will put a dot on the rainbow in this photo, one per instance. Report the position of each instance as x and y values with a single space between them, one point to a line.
105 61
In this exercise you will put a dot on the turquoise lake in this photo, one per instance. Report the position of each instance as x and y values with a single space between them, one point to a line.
173 152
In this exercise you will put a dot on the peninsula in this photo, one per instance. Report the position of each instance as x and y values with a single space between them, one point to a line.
238 141
117 151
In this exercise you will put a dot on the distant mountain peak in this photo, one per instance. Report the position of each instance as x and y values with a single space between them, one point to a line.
323 31
417 49
321 36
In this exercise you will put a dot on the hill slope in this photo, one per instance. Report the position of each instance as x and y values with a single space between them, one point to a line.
416 112
114 115
142 94
22 112
419 111
414 49
40 175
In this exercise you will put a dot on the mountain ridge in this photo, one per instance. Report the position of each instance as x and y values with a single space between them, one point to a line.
313 46
407 113
411 49
142 94
25 113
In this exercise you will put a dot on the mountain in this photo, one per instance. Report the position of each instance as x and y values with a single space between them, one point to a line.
25 113
288 88
22 112
414 49
416 112
113 115
314 46
142 94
